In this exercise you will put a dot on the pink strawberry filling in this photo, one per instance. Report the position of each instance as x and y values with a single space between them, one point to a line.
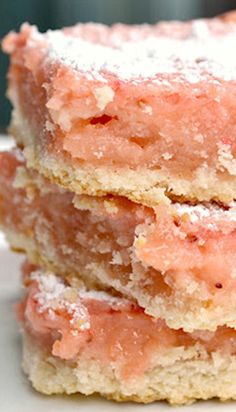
179 117
102 327
163 250
72 322
198 244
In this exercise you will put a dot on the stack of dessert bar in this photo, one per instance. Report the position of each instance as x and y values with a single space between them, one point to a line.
121 192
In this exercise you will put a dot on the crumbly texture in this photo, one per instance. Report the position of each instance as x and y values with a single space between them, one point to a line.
178 264
149 187
139 111
178 309
181 376
143 187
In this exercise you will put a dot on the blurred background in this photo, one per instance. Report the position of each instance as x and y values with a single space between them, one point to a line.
57 13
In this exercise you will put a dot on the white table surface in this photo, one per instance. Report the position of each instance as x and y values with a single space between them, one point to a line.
16 394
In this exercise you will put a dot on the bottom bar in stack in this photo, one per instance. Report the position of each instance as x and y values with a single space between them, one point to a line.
80 340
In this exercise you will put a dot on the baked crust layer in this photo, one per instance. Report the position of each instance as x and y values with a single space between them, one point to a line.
82 340
181 377
145 186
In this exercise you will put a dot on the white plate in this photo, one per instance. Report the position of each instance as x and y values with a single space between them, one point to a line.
16 394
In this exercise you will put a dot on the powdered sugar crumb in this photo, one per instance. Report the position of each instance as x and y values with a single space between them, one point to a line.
167 156
201 212
199 138
53 294
199 29
203 53
104 95
226 159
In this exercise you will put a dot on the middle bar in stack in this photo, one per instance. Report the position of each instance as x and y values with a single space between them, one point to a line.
176 261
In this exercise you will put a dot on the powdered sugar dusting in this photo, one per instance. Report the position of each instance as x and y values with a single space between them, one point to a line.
53 294
199 29
201 54
201 212
113 301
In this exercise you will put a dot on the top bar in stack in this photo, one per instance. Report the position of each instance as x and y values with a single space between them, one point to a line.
146 112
